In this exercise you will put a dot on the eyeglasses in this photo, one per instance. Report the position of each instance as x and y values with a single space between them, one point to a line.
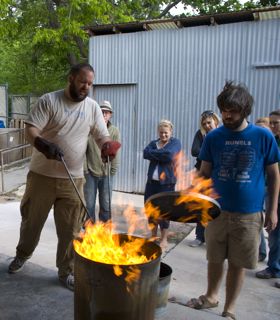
207 113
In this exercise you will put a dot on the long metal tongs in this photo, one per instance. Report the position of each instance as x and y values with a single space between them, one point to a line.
109 185
75 187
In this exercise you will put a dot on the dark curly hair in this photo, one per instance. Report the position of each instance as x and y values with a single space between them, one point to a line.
235 97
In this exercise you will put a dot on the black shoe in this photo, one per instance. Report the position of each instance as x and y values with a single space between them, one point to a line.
261 257
16 265
68 281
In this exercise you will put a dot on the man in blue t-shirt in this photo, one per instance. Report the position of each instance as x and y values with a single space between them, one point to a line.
237 156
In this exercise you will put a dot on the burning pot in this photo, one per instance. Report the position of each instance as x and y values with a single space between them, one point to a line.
100 294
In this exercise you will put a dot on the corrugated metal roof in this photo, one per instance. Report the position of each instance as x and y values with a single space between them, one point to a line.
162 25
175 23
267 15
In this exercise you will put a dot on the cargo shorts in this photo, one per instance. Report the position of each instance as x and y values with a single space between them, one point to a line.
234 236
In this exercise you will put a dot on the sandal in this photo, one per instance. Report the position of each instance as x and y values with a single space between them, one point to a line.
228 315
201 303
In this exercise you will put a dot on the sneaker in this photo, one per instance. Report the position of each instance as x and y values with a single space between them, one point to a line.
16 265
277 284
68 281
265 274
196 243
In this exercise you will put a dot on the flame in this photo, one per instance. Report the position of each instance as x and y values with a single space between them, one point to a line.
191 185
162 176
99 243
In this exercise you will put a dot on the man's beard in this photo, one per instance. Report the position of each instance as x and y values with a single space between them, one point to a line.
234 125
75 95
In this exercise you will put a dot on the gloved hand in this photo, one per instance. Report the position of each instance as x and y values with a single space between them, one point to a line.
109 149
49 149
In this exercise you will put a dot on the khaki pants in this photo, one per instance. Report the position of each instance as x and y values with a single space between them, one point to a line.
40 195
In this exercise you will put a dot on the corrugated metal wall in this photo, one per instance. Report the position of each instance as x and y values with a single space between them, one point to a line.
177 74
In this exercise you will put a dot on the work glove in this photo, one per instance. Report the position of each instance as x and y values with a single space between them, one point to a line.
49 149
109 149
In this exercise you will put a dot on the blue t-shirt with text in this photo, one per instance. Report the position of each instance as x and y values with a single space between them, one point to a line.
238 165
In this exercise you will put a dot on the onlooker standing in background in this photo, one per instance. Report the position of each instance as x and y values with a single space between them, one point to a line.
208 121
99 175
162 170
262 122
273 264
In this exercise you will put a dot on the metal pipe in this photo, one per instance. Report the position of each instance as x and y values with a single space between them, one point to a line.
109 185
7 150
75 187
2 173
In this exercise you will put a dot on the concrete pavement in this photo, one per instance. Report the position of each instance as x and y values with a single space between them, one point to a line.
34 293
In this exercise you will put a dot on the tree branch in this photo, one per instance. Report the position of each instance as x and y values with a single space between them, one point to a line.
168 8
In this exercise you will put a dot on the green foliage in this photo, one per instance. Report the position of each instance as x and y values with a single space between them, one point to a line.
40 39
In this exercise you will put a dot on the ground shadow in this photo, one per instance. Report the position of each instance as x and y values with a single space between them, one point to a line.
33 293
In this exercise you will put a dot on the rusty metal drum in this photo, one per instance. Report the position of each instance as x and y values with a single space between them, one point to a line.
101 295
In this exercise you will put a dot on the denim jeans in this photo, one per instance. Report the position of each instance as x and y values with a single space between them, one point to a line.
100 184
274 249
262 247
155 187
199 232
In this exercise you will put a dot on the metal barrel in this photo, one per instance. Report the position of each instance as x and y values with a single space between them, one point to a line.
101 295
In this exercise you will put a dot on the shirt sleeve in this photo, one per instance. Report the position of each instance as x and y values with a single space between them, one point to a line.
40 113
165 154
196 145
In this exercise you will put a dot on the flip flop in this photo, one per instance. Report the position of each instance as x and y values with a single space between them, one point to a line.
201 303
228 315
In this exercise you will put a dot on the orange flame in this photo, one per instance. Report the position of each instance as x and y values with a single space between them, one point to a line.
191 186
99 243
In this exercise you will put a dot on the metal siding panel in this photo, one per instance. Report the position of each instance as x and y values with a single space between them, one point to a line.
179 74
122 98
113 57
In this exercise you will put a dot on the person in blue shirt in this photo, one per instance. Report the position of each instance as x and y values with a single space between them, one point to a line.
237 156
273 263
162 154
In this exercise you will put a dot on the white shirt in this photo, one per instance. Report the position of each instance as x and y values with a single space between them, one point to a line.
67 124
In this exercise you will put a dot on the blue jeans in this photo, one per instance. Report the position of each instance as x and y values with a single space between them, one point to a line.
199 232
100 184
274 249
262 247
155 187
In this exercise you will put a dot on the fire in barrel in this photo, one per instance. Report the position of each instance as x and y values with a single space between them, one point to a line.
116 275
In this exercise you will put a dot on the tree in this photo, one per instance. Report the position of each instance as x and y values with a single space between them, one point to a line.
41 38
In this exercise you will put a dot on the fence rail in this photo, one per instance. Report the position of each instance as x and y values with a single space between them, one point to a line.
4 165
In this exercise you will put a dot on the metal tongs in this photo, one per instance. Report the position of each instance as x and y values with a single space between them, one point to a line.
75 187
